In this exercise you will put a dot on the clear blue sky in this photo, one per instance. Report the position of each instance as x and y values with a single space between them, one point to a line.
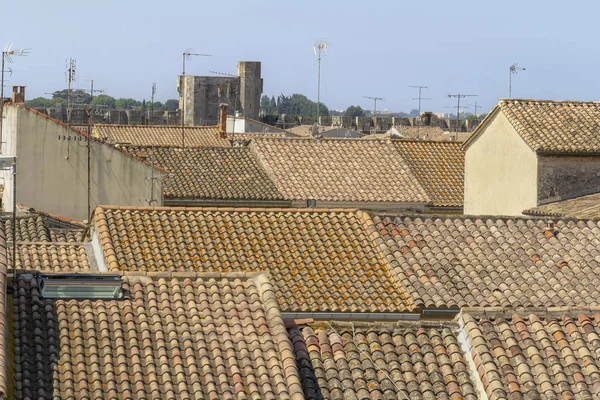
377 48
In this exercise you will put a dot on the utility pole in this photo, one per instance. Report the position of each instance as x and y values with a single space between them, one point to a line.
420 98
89 163
375 103
186 54
514 69
458 97
7 54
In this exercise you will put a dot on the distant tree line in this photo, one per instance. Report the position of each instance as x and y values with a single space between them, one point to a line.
81 98
296 104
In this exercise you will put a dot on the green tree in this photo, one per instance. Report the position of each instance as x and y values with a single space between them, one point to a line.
127 103
39 102
104 100
77 96
172 105
354 111
298 104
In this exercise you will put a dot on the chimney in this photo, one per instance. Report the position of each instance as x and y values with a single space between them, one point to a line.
549 230
426 118
18 95
222 120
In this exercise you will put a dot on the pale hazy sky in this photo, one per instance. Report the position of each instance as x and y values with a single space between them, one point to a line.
377 48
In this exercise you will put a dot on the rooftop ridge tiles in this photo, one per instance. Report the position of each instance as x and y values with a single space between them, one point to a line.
231 209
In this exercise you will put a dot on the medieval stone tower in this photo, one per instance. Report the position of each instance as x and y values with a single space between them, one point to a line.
203 94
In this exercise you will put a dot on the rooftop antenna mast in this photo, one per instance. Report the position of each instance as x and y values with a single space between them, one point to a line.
320 46
70 77
7 55
475 106
152 98
375 103
420 98
458 97
514 69
92 90
186 55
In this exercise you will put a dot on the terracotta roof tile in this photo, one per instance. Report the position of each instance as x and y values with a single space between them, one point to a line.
5 358
339 170
228 173
439 166
37 227
584 207
555 126
400 361
146 135
169 338
320 260
493 262
528 356
52 257
421 132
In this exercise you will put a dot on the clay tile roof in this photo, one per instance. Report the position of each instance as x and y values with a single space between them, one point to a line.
527 356
583 207
439 166
421 132
4 322
399 361
339 170
452 262
320 260
145 135
193 337
228 173
555 126
52 257
40 227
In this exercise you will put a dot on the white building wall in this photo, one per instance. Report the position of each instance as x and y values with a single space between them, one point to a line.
500 172
52 173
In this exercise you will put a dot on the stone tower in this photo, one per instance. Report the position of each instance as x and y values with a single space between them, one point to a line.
251 87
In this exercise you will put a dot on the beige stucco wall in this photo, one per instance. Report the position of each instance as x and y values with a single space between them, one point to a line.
500 172
52 173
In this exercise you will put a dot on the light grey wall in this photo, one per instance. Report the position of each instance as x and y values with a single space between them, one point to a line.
565 177
500 172
52 173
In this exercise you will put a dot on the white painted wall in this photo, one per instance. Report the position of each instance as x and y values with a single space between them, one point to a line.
500 172
242 125
52 173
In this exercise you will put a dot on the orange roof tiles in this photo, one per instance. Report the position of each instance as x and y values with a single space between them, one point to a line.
193 336
383 361
339 170
320 260
160 135
52 257
439 166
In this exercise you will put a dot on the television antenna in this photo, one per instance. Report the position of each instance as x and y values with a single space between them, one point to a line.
514 69
375 103
319 46
475 106
7 53
459 96
420 98
187 54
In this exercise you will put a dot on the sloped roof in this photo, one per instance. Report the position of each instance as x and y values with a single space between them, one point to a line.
583 207
221 173
390 361
52 257
452 262
555 127
4 323
421 132
525 355
192 336
36 226
321 260
159 135
439 167
339 170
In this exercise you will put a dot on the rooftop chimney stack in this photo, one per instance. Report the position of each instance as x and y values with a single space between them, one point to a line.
18 95
223 120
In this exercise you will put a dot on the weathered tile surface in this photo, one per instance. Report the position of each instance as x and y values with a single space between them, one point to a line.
555 126
145 135
508 262
39 227
52 257
4 323
529 356
584 207
393 361
228 173
320 260
339 170
439 167
193 337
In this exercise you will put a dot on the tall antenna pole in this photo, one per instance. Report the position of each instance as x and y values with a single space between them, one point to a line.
375 103
89 163
458 97
318 46
420 98
513 70
475 106
7 54
152 101
186 55
70 78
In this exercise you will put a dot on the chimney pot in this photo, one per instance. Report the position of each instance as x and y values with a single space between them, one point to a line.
223 120
18 95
